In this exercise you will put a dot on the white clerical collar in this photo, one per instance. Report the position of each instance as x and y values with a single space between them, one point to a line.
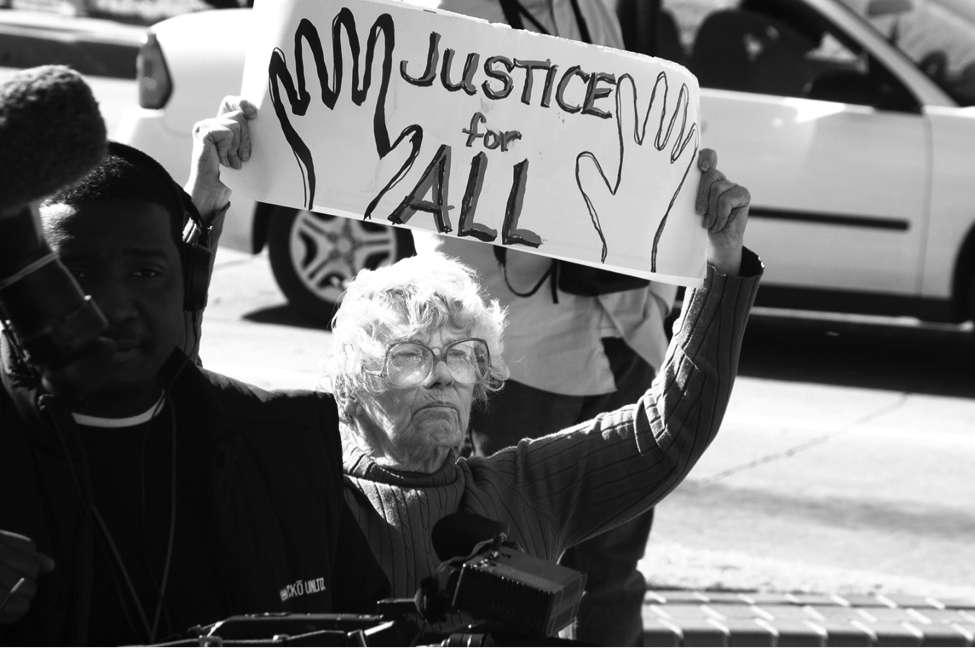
128 421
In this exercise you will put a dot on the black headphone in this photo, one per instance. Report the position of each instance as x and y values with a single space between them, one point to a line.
195 257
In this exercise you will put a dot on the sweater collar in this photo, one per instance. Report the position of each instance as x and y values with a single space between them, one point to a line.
359 465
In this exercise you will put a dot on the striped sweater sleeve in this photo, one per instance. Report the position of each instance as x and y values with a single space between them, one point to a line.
592 477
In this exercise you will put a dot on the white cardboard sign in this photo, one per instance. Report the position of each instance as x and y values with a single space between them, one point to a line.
414 117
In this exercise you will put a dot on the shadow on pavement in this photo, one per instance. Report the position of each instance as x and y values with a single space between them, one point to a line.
892 357
895 357
887 356
285 315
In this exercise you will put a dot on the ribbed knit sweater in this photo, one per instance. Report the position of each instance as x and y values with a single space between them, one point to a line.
559 490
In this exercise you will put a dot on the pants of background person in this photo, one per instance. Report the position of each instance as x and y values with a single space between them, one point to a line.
610 614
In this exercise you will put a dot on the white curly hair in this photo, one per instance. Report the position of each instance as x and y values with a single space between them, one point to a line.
415 296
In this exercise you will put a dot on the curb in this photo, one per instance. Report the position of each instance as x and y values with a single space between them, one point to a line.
717 618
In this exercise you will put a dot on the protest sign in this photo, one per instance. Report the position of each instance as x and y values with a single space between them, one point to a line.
414 117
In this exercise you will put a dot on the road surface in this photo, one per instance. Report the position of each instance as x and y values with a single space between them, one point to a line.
809 485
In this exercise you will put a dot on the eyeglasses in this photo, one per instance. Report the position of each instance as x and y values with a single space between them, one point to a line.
409 364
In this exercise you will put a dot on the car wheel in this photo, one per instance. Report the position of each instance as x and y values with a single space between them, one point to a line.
313 256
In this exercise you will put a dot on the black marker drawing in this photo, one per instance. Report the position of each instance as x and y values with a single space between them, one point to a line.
436 180
299 98
639 135
289 97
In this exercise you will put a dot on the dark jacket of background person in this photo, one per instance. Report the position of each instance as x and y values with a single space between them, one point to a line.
273 488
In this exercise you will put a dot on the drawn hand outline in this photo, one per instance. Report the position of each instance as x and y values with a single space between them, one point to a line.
592 173
299 99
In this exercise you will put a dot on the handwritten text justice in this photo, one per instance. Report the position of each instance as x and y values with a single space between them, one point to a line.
538 82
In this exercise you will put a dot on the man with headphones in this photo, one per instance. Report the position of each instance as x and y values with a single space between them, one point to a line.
161 496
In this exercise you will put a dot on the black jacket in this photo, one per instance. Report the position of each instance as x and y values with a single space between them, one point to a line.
276 513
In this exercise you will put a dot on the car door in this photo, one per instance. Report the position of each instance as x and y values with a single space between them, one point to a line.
832 147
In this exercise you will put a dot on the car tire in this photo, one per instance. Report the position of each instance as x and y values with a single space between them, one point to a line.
313 256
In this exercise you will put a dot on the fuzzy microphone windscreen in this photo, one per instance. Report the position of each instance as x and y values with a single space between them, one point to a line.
51 133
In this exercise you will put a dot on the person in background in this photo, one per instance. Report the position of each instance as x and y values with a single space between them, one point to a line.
571 357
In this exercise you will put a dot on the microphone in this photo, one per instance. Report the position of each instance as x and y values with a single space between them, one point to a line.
52 135
459 533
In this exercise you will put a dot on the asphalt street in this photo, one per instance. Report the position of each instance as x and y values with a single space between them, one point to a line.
810 485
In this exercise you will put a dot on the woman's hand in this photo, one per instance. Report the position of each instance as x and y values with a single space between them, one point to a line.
221 140
723 206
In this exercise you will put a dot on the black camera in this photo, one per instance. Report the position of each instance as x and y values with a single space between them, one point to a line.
505 590
509 597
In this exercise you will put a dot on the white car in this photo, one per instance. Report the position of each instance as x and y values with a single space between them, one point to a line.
850 121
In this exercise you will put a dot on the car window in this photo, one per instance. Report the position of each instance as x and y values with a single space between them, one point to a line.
773 47
938 35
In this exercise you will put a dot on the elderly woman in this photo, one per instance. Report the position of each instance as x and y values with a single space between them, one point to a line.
415 347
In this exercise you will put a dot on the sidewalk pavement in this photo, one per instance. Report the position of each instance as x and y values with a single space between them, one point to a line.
92 46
